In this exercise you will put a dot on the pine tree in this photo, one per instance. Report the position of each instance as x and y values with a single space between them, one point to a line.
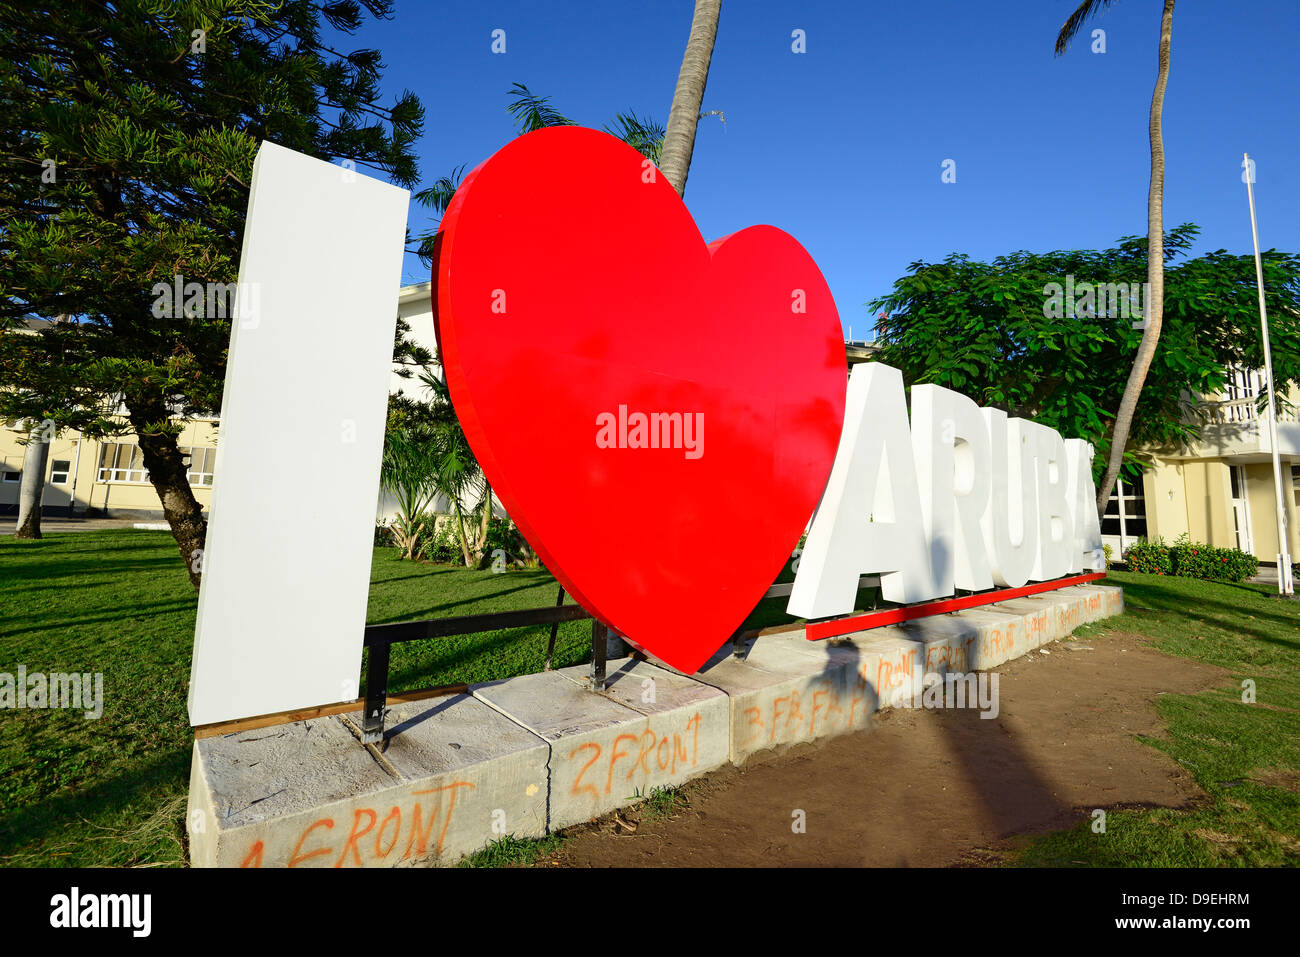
128 133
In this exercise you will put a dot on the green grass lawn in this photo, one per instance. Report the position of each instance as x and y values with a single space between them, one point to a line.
1245 756
112 791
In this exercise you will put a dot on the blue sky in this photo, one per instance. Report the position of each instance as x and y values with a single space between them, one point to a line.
843 146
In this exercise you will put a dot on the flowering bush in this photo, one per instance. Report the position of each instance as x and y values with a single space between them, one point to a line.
1151 558
1189 559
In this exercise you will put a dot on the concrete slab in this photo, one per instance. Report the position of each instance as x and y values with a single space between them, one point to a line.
888 663
1114 599
1003 635
671 701
604 754
455 776
647 689
892 660
1039 612
1071 609
786 690
948 642
1100 601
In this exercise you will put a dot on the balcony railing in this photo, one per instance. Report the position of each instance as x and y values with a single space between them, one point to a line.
1240 412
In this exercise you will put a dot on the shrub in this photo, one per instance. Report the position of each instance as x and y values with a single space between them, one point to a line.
1197 560
1189 559
1149 557
422 538
503 534
440 541
436 538
383 535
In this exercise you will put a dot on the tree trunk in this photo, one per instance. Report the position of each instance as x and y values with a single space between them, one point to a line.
35 458
460 525
167 474
1155 306
486 522
684 117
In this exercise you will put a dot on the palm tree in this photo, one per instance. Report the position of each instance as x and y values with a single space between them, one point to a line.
684 116
409 474
1155 239
459 478
427 457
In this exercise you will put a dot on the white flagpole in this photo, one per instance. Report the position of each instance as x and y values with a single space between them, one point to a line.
1284 584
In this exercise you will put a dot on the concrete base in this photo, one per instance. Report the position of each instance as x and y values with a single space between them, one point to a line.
455 776
542 752
1003 635
785 692
1041 624
1100 601
649 729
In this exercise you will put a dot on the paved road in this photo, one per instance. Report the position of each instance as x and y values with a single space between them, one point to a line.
50 524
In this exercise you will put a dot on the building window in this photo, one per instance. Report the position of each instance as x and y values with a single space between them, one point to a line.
14 477
122 462
1295 483
59 471
202 464
1126 513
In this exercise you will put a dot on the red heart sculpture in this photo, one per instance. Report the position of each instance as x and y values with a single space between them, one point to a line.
572 292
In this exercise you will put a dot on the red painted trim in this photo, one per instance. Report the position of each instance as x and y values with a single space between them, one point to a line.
892 616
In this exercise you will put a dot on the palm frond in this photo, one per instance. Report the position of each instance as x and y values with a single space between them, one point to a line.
646 136
438 196
533 112
1085 12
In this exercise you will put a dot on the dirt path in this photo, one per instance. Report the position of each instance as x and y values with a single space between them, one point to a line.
933 788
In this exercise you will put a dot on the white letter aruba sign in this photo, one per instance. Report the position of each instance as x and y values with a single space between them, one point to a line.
966 498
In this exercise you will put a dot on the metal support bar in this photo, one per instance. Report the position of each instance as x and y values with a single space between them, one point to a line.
555 627
372 719
599 636
471 624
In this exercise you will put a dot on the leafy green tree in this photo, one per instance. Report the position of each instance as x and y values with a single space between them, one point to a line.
128 133
1143 358
1004 333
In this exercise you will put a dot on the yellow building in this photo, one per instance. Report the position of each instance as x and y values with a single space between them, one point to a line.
104 477
1219 489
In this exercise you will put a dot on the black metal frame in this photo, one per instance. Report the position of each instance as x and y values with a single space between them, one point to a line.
380 639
